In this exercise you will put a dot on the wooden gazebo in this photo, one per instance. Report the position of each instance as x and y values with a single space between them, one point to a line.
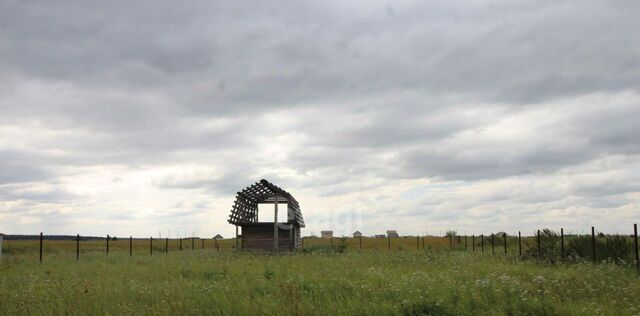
266 236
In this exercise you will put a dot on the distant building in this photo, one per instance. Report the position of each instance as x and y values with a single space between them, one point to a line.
326 234
380 236
218 236
357 234
392 233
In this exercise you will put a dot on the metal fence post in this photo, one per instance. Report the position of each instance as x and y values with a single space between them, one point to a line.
166 245
539 248
519 244
504 235
107 244
562 243
473 243
593 243
635 244
389 243
180 244
40 247
482 243
151 246
130 245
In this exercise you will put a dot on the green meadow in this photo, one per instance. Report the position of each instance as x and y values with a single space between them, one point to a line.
320 280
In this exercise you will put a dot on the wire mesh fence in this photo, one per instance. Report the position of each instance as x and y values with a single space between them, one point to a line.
544 245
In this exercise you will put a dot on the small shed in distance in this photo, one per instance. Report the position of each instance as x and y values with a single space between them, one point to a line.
357 234
265 236
392 233
326 234
218 236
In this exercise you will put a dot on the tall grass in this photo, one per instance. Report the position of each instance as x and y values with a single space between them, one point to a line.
206 282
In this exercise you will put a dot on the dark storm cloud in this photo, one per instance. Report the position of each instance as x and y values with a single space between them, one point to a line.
294 53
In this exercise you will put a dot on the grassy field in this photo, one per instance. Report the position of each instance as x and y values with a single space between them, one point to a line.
434 281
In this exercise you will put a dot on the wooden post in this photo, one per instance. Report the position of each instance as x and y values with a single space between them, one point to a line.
275 226
166 245
450 241
422 242
237 239
388 243
291 241
361 242
504 235
482 243
40 247
130 245
593 243
539 248
151 246
107 244
519 244
202 243
181 241
493 251
473 243
193 243
417 242
78 247
635 244
562 243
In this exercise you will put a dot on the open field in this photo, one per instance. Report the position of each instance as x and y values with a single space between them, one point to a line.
436 281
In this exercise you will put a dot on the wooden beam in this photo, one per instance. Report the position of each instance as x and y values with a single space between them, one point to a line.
237 244
275 227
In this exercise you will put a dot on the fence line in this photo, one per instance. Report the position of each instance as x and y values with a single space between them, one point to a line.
390 241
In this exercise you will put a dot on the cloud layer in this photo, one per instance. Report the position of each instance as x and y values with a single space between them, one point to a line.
135 118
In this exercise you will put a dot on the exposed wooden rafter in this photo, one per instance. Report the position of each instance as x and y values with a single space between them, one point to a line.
245 208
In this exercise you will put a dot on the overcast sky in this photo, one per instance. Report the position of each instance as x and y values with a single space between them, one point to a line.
134 117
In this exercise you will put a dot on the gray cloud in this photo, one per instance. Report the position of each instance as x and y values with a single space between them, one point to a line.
337 99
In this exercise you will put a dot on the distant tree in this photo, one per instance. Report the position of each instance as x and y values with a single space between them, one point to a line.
451 233
114 238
